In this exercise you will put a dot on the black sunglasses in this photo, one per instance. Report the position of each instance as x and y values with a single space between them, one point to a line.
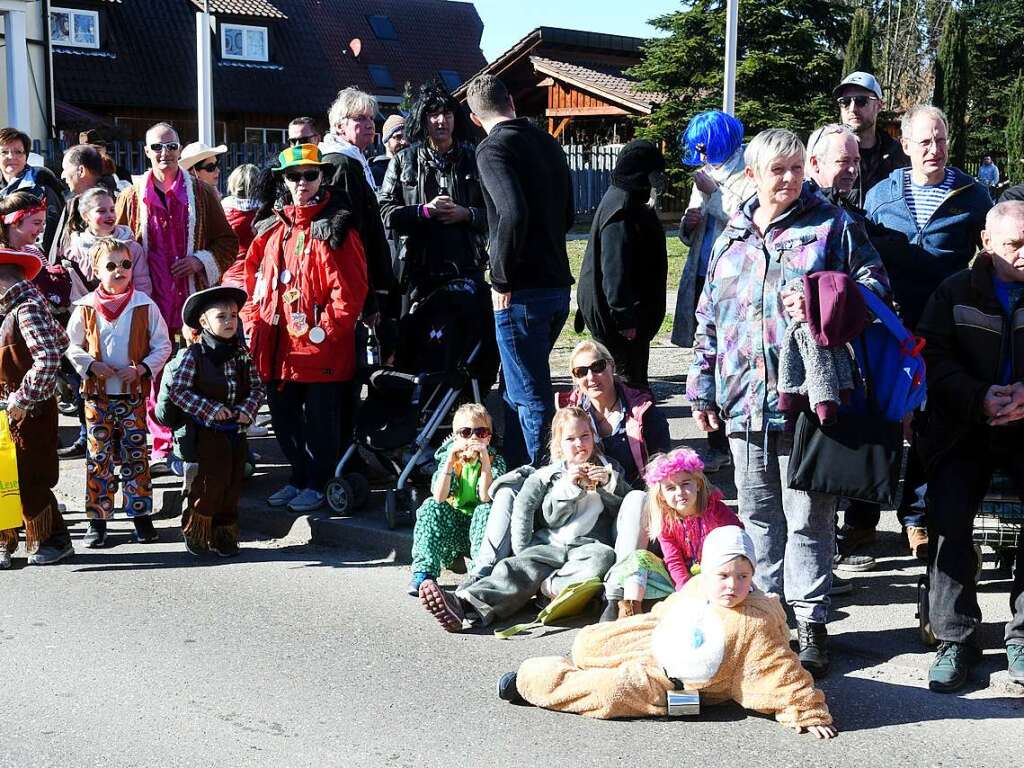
295 141
467 432
112 265
170 146
208 166
860 101
296 176
598 366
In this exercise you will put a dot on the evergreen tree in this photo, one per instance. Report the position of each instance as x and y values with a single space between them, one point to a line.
996 38
951 82
858 49
1014 168
789 57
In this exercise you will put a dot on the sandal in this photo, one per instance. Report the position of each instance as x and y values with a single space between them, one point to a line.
446 610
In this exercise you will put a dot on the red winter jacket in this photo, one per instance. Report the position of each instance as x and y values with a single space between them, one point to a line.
327 266
240 218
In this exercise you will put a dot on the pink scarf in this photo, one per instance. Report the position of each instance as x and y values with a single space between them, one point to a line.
111 305
167 235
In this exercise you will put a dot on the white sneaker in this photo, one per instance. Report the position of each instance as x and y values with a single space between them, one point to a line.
307 501
283 497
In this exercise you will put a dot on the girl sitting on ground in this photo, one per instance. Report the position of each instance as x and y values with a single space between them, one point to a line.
451 523
682 509
561 531
718 636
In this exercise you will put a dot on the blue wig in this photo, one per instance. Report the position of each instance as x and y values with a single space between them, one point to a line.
714 133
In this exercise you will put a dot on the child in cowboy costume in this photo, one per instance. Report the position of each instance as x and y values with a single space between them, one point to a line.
216 390
31 346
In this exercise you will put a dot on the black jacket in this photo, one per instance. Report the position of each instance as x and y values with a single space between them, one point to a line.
625 269
433 252
965 331
348 176
528 192
877 163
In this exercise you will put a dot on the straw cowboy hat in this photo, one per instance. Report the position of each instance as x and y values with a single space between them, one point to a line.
197 152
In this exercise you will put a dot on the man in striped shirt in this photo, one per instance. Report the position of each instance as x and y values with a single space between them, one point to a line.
932 215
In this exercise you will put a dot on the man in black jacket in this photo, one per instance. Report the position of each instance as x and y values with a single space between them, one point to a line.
528 194
974 424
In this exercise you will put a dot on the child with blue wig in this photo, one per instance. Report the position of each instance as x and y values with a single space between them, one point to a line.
714 141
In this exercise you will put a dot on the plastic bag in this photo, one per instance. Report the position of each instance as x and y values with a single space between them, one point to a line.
10 490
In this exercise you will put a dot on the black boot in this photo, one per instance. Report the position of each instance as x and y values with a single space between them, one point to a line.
145 533
507 690
812 637
96 536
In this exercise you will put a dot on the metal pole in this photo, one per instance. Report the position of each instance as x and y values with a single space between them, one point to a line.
16 60
731 23
204 70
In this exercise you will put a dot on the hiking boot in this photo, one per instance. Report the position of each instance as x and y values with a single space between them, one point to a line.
812 639
1014 659
507 690
418 578
952 665
918 540
629 608
225 542
48 554
145 533
74 451
840 586
96 535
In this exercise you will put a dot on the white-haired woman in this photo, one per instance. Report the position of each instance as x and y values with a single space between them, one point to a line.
784 232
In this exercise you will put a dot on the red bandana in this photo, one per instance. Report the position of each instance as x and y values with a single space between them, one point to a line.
15 216
111 305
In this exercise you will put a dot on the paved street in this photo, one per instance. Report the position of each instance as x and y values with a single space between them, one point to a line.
302 655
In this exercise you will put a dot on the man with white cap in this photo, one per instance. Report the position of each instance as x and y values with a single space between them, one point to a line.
860 100
200 160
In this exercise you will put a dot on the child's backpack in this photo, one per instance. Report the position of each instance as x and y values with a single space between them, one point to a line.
890 362
166 412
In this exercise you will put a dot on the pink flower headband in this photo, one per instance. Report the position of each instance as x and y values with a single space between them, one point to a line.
15 216
681 460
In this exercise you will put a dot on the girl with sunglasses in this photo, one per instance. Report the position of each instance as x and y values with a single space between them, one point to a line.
119 343
451 523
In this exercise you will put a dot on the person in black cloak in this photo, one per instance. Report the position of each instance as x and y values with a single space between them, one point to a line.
621 291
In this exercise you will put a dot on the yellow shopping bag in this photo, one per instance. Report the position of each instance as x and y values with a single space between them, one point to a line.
10 492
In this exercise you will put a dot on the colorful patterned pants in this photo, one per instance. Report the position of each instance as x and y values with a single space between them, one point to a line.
116 435
443 533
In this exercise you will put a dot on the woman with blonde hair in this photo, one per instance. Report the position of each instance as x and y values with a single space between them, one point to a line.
240 207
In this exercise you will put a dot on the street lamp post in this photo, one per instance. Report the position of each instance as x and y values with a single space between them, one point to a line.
731 22
204 69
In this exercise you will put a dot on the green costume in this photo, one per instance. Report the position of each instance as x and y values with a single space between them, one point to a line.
446 530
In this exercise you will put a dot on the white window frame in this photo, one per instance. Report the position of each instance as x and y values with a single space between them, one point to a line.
224 27
281 132
71 13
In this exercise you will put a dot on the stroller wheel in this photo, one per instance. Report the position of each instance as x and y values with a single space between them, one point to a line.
339 495
924 624
360 489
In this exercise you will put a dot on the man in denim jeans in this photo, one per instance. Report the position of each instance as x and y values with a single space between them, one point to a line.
528 192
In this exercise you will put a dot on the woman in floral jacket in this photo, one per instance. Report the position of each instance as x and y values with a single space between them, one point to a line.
784 232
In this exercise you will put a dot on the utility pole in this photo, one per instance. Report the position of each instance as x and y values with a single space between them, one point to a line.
731 22
204 69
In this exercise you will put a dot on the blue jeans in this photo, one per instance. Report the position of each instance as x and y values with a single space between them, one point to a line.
526 331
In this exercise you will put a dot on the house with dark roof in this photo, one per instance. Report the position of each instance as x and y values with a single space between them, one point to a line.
129 63
575 83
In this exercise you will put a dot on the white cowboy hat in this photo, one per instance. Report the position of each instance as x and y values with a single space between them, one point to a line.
197 152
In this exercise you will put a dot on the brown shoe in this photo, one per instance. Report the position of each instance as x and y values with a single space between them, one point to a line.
630 608
918 540
444 608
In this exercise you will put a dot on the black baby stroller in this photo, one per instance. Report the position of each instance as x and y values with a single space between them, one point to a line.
445 355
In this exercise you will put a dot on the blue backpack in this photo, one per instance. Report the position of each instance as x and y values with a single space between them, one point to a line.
890 362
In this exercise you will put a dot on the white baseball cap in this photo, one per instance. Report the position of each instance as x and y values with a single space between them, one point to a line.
861 79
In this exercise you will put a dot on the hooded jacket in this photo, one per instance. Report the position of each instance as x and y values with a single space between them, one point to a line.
740 318
918 259
324 257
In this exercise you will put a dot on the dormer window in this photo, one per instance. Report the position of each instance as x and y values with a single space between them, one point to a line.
75 28
240 42
450 78
382 27
381 76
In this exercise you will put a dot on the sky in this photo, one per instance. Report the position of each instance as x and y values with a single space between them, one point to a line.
506 21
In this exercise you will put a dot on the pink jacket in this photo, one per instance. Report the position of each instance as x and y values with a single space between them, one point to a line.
682 544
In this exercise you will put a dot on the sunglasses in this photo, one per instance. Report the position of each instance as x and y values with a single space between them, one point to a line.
598 366
295 141
208 166
467 432
112 265
297 176
860 101
166 146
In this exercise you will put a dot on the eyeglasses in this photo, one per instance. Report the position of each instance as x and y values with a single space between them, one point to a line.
297 176
860 100
208 167
598 366
827 130
296 140
467 432
165 146
126 265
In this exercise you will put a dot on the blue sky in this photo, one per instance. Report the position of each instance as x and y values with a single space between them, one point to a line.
506 21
